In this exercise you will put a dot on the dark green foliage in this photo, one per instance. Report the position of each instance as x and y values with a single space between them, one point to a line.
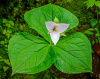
93 22
11 7
94 32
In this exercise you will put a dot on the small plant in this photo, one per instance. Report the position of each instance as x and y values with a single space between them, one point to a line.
94 31
95 35
6 61
91 3
8 23
32 54
94 23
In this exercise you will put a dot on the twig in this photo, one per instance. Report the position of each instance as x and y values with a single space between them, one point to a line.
55 2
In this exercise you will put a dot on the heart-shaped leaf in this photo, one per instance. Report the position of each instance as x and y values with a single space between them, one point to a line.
73 54
29 54
36 18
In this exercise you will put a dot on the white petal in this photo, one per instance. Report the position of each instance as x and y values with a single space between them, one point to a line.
55 37
62 27
49 25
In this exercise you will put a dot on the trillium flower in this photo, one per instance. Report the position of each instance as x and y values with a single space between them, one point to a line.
55 30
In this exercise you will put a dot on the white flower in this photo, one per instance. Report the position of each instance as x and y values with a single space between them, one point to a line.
55 30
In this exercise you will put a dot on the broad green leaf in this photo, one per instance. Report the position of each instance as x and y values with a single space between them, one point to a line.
49 60
73 54
37 17
28 53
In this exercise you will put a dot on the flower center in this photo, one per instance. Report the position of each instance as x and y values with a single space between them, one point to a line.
54 28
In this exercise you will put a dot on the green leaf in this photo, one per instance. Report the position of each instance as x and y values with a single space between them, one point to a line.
99 12
99 39
8 25
93 22
88 32
56 20
7 62
5 68
74 54
8 35
91 29
93 42
4 21
37 17
97 3
49 60
97 30
90 3
97 35
37 0
4 31
1 59
29 54
92 51
9 31
11 23
2 42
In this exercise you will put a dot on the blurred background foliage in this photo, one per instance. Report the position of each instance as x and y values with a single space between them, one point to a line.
12 21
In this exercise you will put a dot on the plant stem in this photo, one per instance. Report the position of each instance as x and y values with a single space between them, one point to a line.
97 17
55 1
